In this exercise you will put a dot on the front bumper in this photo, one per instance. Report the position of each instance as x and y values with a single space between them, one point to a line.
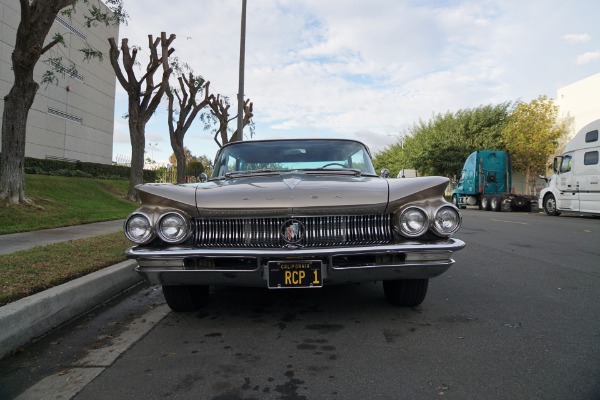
190 265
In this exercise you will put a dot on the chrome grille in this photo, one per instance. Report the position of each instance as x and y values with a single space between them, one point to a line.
320 231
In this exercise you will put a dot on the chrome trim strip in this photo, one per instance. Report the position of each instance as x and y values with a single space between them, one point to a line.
190 252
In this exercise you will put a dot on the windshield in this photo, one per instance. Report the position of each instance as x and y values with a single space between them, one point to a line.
292 155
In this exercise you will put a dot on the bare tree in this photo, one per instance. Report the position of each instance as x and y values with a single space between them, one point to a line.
188 110
37 17
220 110
142 102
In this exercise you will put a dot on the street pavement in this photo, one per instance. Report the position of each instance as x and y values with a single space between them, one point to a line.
28 318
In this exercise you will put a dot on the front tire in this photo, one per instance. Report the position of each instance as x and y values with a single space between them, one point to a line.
456 203
182 298
550 206
405 292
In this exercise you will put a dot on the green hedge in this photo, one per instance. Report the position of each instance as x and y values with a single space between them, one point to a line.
41 166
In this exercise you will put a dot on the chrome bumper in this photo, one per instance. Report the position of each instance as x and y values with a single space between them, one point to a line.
412 260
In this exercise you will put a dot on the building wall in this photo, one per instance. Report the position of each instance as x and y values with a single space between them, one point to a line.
73 119
580 100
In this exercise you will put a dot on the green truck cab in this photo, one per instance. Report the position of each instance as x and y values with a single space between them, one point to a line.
486 181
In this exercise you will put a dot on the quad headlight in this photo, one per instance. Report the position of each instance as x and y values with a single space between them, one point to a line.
447 220
138 228
173 227
413 222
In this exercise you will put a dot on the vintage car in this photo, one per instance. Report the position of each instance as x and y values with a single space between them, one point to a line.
288 214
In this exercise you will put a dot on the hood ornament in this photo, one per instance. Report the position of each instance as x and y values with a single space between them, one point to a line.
291 182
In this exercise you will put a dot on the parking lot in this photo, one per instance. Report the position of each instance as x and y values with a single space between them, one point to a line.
515 317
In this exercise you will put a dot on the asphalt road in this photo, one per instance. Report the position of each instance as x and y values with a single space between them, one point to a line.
517 317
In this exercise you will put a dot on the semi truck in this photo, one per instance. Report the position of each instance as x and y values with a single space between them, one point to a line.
575 185
486 181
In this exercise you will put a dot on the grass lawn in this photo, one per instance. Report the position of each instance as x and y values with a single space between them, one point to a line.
31 271
64 201
61 201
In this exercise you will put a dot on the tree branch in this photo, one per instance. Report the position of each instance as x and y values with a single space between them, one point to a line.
113 53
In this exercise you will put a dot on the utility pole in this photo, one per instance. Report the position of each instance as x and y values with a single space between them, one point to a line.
239 133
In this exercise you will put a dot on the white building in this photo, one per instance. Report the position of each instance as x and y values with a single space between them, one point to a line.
580 100
74 119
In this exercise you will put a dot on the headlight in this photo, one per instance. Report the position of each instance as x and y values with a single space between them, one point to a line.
173 227
138 228
413 222
447 221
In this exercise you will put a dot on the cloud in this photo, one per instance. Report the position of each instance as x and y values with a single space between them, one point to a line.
368 69
588 57
577 37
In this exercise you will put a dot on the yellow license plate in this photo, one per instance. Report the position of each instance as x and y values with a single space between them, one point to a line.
295 274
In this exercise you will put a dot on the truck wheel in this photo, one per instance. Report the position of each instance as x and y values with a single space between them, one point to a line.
485 203
496 203
405 292
455 202
182 298
550 205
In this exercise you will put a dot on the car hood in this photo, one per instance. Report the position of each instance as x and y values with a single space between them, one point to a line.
292 194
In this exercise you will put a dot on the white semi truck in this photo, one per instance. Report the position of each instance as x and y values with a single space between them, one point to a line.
575 186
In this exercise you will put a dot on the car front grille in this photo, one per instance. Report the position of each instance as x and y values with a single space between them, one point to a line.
318 231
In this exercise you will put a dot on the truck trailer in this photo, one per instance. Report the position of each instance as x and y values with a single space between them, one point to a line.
486 181
575 186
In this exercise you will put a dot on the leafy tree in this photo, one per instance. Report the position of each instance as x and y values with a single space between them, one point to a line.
194 168
37 17
144 95
441 145
189 157
189 87
393 158
194 165
207 163
532 135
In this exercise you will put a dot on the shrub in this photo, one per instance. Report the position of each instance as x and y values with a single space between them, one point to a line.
39 166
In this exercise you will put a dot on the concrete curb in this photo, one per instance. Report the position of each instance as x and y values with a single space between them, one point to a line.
31 317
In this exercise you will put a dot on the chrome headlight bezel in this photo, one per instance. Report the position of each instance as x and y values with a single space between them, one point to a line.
183 227
407 218
144 222
441 217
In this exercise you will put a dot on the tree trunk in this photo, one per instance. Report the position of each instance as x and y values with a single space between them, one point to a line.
14 121
179 151
137 134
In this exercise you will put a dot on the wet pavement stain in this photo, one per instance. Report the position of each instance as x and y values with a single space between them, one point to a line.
289 390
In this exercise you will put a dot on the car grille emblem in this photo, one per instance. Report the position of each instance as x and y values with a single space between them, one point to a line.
292 231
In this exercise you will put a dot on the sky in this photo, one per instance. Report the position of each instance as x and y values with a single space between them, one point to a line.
367 70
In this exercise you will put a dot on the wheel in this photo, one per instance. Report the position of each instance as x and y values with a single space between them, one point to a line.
485 203
455 202
496 203
550 205
182 298
405 292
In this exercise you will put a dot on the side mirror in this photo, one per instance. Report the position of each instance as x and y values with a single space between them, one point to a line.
543 177
203 177
385 173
